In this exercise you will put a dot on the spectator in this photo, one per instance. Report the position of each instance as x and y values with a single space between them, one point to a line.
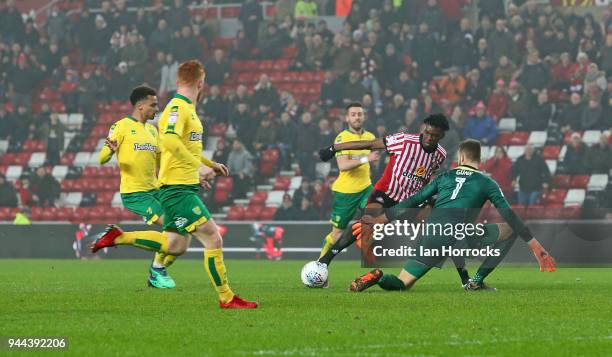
486 73
316 53
243 123
287 135
120 82
306 212
540 113
425 53
55 25
250 16
321 199
530 175
221 153
411 124
598 158
265 93
87 95
534 75
353 89
6 124
8 195
53 136
591 115
606 55
306 147
518 102
462 48
370 64
239 163
25 193
161 37
501 42
500 168
286 211
498 101
304 192
305 9
176 15
330 88
562 73
167 85
452 87
505 69
45 187
214 106
265 136
100 37
217 69
570 114
187 46
395 112
24 78
20 126
573 162
434 18
326 134
343 56
406 86
242 46
481 127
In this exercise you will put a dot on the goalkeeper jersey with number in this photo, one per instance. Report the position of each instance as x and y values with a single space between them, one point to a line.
180 118
461 194
137 150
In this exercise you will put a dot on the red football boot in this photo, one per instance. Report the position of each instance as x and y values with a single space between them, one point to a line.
365 281
238 303
107 239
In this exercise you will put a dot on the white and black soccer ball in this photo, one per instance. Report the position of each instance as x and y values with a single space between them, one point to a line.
314 274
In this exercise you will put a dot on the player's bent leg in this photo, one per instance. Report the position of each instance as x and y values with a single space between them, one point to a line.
158 275
330 240
148 240
501 237
208 234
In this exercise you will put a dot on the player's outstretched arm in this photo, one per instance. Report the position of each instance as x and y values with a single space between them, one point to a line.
545 260
107 151
218 168
347 164
328 153
176 147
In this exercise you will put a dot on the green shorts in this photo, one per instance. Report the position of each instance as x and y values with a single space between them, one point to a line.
346 204
145 204
420 265
183 208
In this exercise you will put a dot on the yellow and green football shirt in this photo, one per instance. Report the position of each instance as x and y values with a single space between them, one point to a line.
180 118
357 179
137 154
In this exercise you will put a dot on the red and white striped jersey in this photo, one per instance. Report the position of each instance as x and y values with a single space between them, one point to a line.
410 166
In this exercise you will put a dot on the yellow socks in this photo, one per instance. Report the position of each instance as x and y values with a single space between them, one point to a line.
149 240
329 242
169 259
213 263
163 260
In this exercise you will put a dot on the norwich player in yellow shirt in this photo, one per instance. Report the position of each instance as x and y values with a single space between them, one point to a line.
135 142
353 186
182 169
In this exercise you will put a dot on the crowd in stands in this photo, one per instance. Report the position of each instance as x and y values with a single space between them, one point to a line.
476 61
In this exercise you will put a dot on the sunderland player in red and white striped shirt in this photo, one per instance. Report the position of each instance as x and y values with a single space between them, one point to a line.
414 159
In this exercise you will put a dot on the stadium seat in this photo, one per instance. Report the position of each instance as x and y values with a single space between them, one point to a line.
67 158
105 198
267 213
4 144
73 199
296 182
551 152
562 181
258 198
597 182
515 151
230 11
218 129
236 213
269 159
568 136
553 211
322 168
13 172
579 181
537 138
555 196
59 172
37 159
571 212
126 215
225 182
574 196
486 152
81 159
289 52
282 183
281 65
591 137
116 201
252 212
275 198
221 197
535 212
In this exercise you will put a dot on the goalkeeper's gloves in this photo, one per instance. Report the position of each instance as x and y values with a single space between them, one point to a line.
544 259
364 227
327 153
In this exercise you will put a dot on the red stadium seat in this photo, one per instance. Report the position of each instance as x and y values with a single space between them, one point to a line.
225 183
306 76
105 198
553 211
562 181
551 152
276 77
519 138
568 136
519 210
252 212
126 215
67 159
290 77
282 183
571 212
535 212
289 52
221 197
555 196
57 107
267 213
265 65
269 159
81 214
236 213
258 198
218 129
281 65
64 214
579 181
230 11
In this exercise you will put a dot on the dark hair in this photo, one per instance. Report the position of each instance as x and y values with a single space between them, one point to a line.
140 93
353 105
437 121
471 149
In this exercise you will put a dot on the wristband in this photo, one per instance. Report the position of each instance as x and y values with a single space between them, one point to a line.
364 160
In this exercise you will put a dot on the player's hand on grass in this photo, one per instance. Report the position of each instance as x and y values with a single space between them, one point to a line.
327 153
112 144
546 261
220 169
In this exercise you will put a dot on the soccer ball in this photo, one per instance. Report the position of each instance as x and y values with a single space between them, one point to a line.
314 274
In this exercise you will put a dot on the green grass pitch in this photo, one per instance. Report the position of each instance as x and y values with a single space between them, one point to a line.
105 309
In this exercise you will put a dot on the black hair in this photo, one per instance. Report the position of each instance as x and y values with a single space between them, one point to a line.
437 121
140 93
353 105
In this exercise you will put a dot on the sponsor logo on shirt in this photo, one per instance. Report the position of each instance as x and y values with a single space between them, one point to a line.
195 136
144 147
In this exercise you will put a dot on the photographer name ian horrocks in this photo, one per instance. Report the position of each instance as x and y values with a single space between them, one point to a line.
404 229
